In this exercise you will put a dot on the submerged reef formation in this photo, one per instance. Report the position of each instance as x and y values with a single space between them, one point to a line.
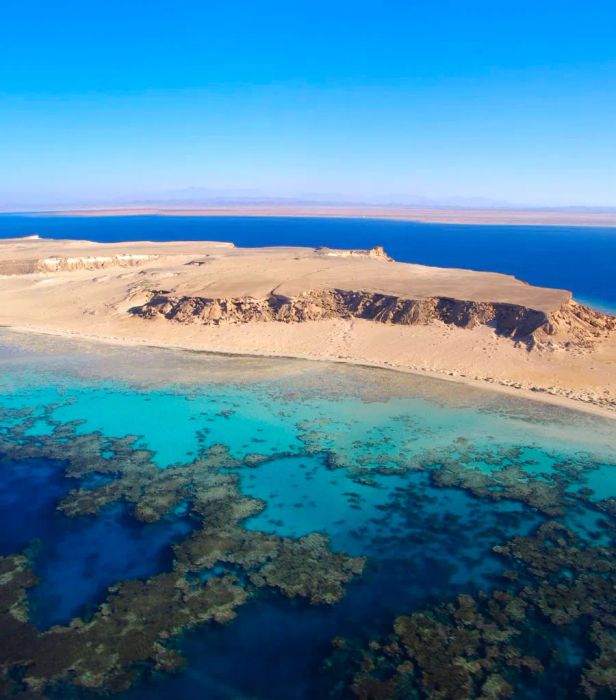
545 482
133 625
545 625
582 324
216 570
510 477
557 604
548 629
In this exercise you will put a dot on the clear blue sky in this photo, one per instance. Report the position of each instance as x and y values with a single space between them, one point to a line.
512 101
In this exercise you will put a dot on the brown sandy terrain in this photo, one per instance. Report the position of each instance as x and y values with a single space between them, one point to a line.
449 215
353 306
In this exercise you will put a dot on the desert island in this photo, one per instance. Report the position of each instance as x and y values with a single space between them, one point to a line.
357 306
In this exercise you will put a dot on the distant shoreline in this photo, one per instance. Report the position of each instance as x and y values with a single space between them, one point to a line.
470 216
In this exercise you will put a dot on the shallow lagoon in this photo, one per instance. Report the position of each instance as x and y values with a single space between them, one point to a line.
422 478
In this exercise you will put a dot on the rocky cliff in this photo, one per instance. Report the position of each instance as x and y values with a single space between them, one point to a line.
572 322
80 262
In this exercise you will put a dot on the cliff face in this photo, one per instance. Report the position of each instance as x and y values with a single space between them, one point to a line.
511 320
64 264
579 324
92 262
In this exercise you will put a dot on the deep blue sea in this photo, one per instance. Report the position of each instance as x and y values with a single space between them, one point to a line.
581 259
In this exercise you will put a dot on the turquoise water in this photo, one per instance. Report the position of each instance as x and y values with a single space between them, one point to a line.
422 478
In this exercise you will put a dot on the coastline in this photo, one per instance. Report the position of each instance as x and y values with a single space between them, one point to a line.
355 306
537 394
441 215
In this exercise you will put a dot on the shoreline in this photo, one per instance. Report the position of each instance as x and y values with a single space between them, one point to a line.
538 394
440 215
361 307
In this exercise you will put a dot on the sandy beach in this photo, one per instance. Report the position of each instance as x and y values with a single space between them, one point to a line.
485 329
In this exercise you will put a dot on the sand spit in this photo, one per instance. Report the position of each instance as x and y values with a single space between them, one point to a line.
353 306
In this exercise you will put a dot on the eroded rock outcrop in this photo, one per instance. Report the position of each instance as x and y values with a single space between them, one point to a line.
376 252
581 325
77 262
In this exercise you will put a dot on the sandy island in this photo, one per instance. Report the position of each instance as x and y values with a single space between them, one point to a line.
361 307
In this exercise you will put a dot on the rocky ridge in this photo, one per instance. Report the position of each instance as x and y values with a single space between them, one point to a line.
69 263
572 323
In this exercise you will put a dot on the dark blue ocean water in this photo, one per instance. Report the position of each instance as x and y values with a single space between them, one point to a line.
581 259
76 558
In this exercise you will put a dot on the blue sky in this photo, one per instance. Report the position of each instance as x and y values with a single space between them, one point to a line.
444 101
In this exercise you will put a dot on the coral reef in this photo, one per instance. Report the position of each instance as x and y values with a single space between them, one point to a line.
493 646
509 474
306 567
551 618
214 572
132 625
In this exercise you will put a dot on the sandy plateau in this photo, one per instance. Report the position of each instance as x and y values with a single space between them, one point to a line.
351 306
